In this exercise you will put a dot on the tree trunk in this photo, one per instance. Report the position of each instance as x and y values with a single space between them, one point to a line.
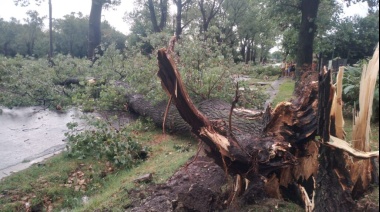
247 153
333 182
50 32
248 54
153 18
94 31
309 10
164 13
178 28
206 18
158 27
242 50
278 146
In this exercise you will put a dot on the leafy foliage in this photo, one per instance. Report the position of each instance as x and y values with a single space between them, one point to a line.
209 72
26 81
104 140
351 89
354 38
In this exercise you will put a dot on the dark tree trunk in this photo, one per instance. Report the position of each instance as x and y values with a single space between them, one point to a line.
242 50
94 31
278 143
246 152
206 18
153 18
178 28
50 31
158 27
333 182
248 54
309 10
253 55
164 13
29 48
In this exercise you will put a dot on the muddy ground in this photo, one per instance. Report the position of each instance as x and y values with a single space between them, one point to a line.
200 185
203 186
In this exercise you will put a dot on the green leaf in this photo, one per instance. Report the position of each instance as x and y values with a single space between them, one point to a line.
348 88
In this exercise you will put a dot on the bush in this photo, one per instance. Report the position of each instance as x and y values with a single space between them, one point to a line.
207 70
30 82
351 87
104 141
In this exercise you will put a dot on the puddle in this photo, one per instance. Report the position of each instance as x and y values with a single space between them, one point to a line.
30 134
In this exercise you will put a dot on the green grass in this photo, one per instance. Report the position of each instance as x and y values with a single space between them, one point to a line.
49 185
164 161
285 91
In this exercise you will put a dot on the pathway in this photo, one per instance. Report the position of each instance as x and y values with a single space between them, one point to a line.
273 90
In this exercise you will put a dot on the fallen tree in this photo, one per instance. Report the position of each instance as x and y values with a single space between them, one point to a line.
282 149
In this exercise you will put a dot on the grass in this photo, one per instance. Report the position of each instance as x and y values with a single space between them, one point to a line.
285 91
164 161
61 182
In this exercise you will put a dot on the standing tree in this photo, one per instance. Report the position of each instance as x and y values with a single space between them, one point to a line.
209 9
34 23
71 33
163 8
94 32
50 32
25 3
180 5
305 24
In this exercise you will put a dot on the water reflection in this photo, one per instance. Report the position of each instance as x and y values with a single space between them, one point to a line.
30 133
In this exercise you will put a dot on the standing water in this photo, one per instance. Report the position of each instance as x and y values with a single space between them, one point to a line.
31 134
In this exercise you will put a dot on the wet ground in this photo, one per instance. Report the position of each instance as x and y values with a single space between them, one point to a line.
29 135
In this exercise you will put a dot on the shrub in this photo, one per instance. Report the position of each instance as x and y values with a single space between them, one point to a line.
104 141
351 86
207 69
30 82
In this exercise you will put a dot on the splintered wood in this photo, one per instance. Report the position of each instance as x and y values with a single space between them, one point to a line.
281 148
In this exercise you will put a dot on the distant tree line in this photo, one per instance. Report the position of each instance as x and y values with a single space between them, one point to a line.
70 36
248 29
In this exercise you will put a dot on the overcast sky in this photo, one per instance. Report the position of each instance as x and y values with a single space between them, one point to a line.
114 17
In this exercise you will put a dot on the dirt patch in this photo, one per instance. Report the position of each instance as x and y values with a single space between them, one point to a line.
203 186
195 187
199 186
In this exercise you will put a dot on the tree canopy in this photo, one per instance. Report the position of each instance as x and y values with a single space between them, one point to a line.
249 28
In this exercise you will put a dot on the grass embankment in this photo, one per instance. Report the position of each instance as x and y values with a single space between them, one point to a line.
69 184
285 91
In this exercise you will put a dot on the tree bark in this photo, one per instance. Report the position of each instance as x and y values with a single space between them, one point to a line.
309 10
178 27
94 31
265 149
158 27
280 145
333 182
206 18
164 13
50 31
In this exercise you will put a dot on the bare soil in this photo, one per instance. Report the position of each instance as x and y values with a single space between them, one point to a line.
195 187
202 186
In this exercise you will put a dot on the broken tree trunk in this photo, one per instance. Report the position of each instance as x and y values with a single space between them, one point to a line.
245 120
286 132
282 152
333 184
344 173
